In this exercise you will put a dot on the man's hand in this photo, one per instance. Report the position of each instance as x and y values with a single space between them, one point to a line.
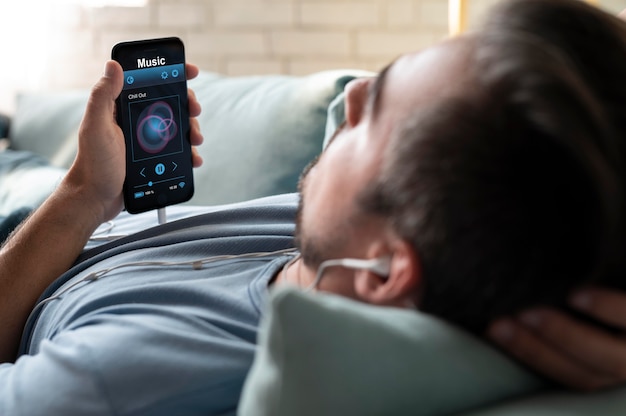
575 354
98 172
49 241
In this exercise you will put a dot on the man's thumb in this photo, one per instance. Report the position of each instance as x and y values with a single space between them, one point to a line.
106 90
113 78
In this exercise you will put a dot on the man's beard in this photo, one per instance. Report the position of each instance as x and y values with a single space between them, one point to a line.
315 250
311 254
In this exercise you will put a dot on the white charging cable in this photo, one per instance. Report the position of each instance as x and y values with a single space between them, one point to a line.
162 216
108 226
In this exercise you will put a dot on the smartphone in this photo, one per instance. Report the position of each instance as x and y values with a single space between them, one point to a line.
153 113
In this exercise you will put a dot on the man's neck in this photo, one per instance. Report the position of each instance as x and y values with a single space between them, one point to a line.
295 273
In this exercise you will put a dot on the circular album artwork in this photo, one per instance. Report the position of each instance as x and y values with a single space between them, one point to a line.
156 127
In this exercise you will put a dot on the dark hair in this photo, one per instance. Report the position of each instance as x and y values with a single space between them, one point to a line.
512 190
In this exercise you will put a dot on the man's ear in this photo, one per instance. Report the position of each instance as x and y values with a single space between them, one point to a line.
401 287
355 100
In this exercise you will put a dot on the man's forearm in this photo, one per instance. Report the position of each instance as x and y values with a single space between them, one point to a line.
43 248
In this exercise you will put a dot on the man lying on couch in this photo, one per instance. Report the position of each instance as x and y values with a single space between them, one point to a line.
471 180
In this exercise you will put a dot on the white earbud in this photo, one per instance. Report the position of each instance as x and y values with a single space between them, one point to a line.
380 266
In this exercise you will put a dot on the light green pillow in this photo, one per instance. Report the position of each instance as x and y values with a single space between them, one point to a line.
261 131
326 355
607 403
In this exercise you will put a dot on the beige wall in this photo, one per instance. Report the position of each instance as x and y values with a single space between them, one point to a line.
238 37
64 44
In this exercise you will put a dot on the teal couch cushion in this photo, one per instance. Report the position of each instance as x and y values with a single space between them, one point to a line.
25 180
260 132
47 124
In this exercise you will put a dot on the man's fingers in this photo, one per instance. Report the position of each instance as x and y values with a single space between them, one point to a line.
564 349
192 71
587 345
196 158
195 135
194 106
195 109
605 305
196 140
543 357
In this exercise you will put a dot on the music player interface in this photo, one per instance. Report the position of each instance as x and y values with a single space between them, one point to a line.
152 101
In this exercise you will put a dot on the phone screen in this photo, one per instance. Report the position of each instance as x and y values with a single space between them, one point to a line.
153 113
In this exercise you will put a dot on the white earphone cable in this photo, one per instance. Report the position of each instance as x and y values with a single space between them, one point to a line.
195 264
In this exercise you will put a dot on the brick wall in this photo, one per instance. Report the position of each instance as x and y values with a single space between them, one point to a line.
235 37
278 36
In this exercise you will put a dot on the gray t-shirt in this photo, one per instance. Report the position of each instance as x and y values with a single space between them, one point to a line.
153 339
